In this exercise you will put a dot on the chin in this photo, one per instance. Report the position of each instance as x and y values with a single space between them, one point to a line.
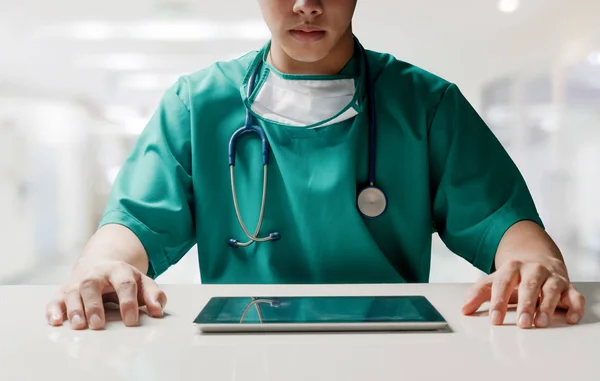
307 54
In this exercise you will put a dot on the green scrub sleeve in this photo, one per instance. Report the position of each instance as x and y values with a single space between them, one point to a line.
478 192
152 194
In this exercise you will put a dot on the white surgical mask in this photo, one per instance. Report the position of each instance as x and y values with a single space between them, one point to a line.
304 102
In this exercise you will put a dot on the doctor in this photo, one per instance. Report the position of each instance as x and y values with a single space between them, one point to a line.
315 160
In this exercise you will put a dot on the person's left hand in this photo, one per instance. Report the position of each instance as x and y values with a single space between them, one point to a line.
538 287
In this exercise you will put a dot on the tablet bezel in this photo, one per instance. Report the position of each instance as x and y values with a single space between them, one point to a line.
326 326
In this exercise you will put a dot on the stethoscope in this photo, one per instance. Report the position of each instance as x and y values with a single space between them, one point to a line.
371 201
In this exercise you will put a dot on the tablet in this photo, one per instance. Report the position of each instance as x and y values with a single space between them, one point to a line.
319 313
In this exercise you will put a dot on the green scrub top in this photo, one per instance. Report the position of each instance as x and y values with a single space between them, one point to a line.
440 166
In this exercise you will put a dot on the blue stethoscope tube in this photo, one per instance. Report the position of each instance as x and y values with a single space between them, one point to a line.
371 201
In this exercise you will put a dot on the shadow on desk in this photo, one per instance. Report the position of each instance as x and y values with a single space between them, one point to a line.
112 313
446 330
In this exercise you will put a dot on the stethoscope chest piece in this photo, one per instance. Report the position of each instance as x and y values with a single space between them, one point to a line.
371 202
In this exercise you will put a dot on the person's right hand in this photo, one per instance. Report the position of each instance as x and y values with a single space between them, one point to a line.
82 299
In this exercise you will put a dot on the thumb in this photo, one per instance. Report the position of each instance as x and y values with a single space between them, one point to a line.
574 302
480 293
153 297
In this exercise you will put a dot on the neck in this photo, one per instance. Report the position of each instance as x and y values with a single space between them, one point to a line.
332 64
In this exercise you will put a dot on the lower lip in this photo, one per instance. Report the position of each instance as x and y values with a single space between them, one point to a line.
307 36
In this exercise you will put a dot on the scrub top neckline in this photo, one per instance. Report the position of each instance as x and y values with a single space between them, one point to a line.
355 68
336 132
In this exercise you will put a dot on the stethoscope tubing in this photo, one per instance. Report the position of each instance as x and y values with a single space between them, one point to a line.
250 127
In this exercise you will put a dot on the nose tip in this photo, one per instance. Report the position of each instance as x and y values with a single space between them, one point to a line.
307 7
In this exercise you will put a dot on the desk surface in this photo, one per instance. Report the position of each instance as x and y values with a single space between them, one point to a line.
170 348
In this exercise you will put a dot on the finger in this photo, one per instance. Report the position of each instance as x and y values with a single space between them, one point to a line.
91 295
576 305
74 307
153 297
505 281
552 290
56 311
533 278
125 285
479 294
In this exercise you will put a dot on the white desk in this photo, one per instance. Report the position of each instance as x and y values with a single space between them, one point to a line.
170 349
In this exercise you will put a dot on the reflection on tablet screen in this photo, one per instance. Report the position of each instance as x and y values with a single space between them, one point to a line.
319 309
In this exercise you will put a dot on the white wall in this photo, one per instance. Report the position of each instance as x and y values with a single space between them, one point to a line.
46 181
16 252
56 144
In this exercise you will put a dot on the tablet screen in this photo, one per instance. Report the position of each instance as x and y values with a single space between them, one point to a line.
318 309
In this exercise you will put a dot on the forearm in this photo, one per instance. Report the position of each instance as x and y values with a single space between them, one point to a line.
115 242
526 241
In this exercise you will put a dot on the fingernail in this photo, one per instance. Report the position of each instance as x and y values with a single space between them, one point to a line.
496 317
574 318
77 321
95 322
542 319
525 320
56 319
130 318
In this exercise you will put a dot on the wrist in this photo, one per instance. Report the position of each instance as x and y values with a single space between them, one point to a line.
528 242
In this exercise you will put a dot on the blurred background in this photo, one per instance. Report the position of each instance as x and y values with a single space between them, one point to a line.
79 80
